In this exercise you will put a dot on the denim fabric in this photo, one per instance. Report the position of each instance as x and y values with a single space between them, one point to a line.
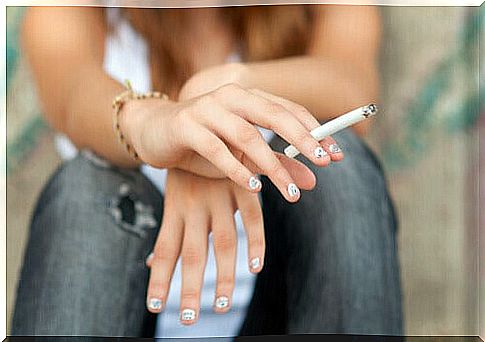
331 264
84 272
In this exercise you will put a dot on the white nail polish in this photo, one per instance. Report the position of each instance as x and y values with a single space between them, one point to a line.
149 257
155 304
222 302
188 315
293 190
255 263
319 152
334 148
254 183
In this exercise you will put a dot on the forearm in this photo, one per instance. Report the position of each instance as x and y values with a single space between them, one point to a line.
66 64
86 115
324 86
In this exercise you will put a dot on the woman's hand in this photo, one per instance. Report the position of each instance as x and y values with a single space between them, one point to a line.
218 129
195 206
215 77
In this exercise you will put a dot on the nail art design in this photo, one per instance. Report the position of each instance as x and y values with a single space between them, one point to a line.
222 302
334 148
293 190
255 263
254 183
155 304
319 152
188 315
149 257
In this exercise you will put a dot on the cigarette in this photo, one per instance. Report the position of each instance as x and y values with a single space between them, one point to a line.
337 124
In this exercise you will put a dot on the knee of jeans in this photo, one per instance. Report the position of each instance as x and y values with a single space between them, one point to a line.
88 181
349 202
80 177
352 182
359 173
350 198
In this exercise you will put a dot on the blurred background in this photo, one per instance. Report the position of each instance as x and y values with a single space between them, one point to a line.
427 136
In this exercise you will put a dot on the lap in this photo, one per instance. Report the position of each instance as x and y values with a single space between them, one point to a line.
331 262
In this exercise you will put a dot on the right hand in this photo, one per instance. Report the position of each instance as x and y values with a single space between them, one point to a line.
218 130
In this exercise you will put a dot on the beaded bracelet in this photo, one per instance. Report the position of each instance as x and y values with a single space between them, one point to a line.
118 103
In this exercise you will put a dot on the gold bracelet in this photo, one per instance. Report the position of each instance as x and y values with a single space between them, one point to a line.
118 103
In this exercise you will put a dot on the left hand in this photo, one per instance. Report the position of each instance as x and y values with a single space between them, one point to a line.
195 206
215 77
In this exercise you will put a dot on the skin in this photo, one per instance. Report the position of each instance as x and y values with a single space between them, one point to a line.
206 137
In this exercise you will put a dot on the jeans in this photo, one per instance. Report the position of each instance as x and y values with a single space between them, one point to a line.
331 263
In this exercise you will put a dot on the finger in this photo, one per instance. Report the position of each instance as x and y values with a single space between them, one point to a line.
209 146
303 177
301 174
238 132
149 259
332 148
277 118
300 112
165 255
194 258
308 120
225 244
198 165
252 217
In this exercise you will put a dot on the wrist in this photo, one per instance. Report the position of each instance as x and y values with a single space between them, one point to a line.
135 115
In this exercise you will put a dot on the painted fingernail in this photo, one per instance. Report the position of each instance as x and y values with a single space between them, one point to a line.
222 302
149 258
188 315
293 190
255 263
254 183
334 148
155 304
319 152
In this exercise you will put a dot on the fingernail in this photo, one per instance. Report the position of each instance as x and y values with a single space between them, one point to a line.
149 257
254 183
222 302
319 152
293 190
188 315
155 304
334 148
255 263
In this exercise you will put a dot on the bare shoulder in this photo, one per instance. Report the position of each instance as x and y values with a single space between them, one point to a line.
60 43
61 30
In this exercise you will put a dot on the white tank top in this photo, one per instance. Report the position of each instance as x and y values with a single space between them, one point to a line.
126 57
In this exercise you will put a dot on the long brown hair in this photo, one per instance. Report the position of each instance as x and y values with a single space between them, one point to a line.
265 32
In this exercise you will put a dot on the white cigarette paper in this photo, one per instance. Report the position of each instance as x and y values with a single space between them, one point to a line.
337 124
